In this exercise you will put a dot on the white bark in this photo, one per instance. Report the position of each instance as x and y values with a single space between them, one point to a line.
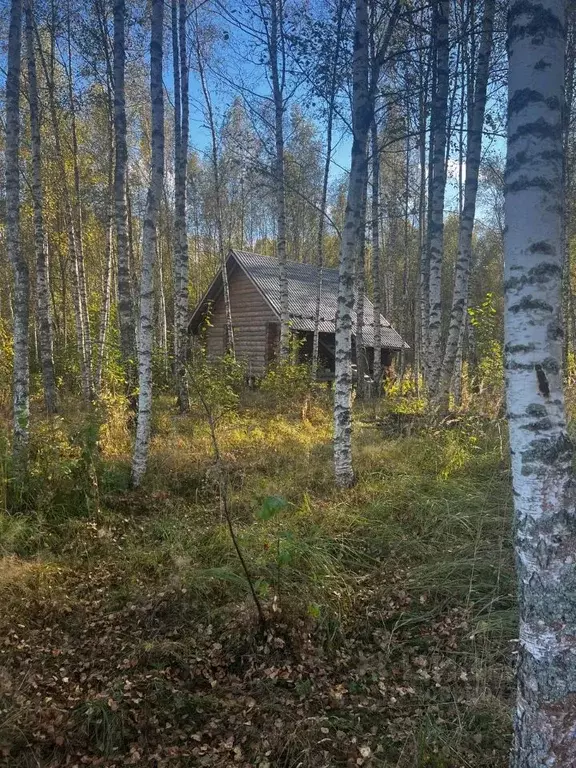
78 224
40 242
545 509
73 248
230 347
438 128
324 197
376 268
277 72
21 374
126 312
146 333
361 363
107 281
463 261
181 120
361 119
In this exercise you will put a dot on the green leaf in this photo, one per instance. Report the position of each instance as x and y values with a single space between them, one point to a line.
270 507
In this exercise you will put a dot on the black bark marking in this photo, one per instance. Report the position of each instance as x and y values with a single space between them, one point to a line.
542 23
543 385
542 64
526 97
528 303
513 349
546 248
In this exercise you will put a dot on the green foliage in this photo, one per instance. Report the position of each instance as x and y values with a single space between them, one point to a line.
270 507
488 373
6 359
287 383
215 386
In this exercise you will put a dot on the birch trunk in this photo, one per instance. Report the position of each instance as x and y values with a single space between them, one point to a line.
376 267
276 47
361 365
146 334
21 372
463 261
423 296
107 282
542 453
324 197
162 320
40 243
230 347
79 315
361 119
126 314
181 119
438 129
78 224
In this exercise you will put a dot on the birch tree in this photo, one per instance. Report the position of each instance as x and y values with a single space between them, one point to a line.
464 258
542 453
331 104
126 315
21 372
40 242
376 269
218 194
435 234
361 118
365 74
274 25
80 313
146 332
181 120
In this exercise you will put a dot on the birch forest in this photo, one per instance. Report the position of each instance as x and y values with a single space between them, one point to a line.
287 383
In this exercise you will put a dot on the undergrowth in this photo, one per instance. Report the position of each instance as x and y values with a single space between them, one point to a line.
130 636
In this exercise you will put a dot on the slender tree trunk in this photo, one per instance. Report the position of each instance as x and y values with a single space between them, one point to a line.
149 234
324 197
126 313
40 242
438 125
542 453
107 282
79 315
360 281
376 265
361 119
276 55
423 293
162 319
462 267
230 347
21 373
181 120
77 221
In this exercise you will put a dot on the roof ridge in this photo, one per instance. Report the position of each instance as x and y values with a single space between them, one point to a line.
288 261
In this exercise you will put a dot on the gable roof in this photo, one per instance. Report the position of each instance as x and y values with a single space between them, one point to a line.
264 273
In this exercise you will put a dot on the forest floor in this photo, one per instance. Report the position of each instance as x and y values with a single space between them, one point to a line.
128 635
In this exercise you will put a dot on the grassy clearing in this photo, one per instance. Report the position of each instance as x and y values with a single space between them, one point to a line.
129 635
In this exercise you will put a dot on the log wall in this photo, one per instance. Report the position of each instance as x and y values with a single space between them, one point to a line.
250 317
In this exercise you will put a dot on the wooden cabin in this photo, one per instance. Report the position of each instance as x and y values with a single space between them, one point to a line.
254 285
